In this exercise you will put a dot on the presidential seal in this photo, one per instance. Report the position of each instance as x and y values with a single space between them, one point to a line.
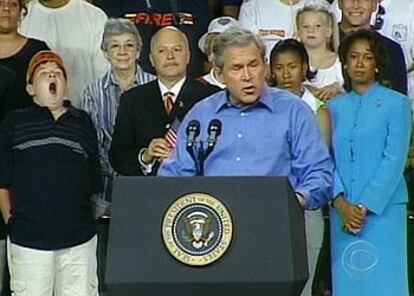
197 229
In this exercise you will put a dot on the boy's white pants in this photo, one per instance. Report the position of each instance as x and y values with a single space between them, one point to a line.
66 272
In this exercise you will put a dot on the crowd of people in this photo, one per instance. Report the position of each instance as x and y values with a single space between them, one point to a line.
316 91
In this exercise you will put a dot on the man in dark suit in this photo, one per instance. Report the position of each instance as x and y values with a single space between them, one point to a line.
139 142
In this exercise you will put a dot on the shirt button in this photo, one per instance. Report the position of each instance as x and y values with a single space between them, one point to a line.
237 159
242 114
239 136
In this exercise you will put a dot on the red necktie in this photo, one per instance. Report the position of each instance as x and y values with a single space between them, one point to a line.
168 102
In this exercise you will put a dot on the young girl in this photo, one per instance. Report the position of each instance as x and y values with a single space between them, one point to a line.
317 29
289 66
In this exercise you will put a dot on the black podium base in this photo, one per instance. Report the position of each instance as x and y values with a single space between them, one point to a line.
194 289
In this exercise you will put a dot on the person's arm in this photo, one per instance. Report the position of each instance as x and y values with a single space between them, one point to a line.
327 92
352 215
398 72
231 7
231 10
8 92
5 206
158 149
339 188
248 17
90 105
99 62
124 150
311 162
324 121
379 190
5 168
96 181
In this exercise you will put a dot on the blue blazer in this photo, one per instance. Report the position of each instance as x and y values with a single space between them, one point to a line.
371 135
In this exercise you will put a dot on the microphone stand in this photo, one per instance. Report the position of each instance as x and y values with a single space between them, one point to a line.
191 151
201 159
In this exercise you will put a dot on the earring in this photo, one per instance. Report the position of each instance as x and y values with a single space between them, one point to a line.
376 70
345 66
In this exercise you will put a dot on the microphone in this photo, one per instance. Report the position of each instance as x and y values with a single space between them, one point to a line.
192 131
214 131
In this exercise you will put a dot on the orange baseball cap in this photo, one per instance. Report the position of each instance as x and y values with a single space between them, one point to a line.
41 57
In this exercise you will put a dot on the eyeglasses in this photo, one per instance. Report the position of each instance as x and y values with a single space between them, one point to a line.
379 21
116 47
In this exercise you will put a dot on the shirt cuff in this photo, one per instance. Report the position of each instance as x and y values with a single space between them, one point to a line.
145 168
305 200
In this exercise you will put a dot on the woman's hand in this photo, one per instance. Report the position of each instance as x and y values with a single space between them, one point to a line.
352 216
326 92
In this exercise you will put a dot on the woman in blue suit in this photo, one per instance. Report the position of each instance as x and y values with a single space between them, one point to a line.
371 133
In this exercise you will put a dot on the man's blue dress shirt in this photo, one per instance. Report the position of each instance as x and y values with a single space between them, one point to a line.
277 136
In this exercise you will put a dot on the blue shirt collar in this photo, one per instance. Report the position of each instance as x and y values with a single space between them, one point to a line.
264 101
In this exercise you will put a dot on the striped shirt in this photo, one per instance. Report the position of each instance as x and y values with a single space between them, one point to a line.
51 168
101 101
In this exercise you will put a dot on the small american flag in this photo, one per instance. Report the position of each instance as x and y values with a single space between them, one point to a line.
171 134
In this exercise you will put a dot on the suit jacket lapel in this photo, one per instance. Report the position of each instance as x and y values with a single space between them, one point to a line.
156 102
181 102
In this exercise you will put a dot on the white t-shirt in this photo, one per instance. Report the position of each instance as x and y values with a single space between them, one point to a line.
211 79
272 19
327 76
399 25
311 100
74 31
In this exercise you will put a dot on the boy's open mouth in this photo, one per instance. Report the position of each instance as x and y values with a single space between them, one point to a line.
52 88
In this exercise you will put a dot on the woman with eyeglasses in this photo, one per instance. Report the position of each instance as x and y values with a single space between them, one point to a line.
121 45
371 126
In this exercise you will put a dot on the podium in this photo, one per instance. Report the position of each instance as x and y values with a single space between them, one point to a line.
267 254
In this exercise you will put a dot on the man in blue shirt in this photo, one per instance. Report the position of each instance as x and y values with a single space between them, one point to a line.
265 131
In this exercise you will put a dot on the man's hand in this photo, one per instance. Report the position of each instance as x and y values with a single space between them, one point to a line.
157 149
5 205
